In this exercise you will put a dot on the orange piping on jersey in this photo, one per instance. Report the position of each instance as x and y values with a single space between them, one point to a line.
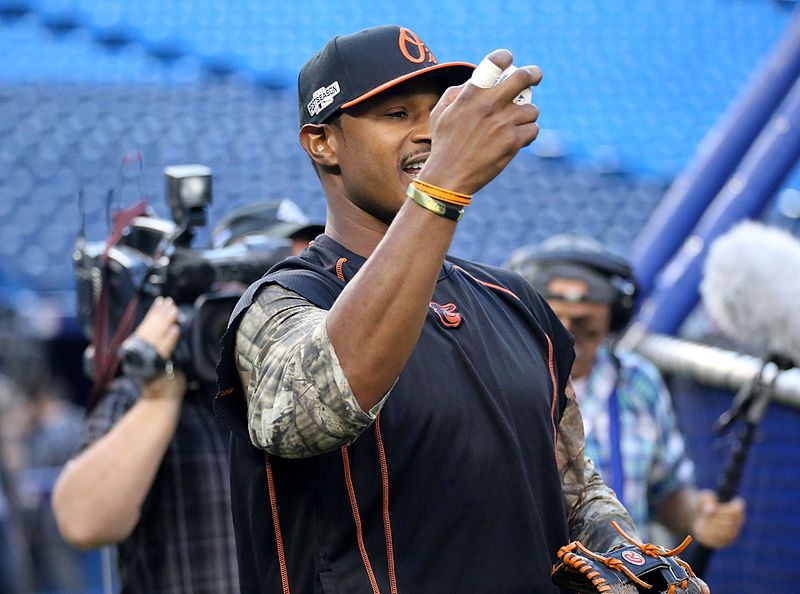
555 394
339 272
273 504
357 518
387 524
490 285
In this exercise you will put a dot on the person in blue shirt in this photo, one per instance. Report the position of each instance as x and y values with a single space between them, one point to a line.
631 429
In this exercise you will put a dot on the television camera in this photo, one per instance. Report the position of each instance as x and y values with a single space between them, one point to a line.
146 256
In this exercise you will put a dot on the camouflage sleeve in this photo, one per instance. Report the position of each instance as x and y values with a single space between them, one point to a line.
299 403
591 504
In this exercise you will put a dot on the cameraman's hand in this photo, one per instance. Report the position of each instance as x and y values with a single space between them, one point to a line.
476 132
160 326
160 329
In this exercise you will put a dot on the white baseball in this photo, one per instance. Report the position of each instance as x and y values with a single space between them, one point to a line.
525 95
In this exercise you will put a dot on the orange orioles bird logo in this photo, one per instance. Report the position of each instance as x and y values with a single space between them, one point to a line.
413 49
447 314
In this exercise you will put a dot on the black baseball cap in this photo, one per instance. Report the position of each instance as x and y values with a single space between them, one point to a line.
281 219
575 257
352 68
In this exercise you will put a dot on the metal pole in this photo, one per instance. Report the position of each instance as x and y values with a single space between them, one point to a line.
766 166
717 157
716 367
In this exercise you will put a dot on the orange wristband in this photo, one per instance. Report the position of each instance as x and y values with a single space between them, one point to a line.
442 194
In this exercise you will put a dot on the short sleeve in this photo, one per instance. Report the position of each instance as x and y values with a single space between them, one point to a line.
119 398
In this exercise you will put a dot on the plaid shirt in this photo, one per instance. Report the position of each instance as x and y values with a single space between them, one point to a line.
652 449
184 540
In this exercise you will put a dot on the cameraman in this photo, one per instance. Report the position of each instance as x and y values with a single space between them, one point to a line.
152 478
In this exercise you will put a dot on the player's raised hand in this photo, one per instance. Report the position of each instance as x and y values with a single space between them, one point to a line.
477 131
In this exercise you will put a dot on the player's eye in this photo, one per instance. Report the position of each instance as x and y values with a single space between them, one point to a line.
397 114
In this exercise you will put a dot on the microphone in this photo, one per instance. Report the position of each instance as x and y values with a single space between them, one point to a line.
751 287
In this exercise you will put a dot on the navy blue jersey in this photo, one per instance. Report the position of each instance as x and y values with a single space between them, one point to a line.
457 482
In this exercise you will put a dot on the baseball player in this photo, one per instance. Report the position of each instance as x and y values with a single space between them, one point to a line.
402 418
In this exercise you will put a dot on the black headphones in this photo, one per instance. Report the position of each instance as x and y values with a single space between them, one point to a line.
539 263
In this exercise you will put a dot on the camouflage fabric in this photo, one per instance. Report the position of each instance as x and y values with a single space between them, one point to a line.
299 403
590 503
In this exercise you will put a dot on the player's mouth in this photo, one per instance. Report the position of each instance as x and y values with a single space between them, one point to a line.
415 165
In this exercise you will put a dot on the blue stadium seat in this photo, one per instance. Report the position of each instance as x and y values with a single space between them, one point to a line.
660 73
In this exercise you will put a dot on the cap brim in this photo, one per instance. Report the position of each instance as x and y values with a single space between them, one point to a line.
598 287
448 68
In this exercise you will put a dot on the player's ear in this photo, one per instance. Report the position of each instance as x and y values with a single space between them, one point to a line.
320 142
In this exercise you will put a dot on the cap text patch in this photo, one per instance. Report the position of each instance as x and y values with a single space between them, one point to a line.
322 98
